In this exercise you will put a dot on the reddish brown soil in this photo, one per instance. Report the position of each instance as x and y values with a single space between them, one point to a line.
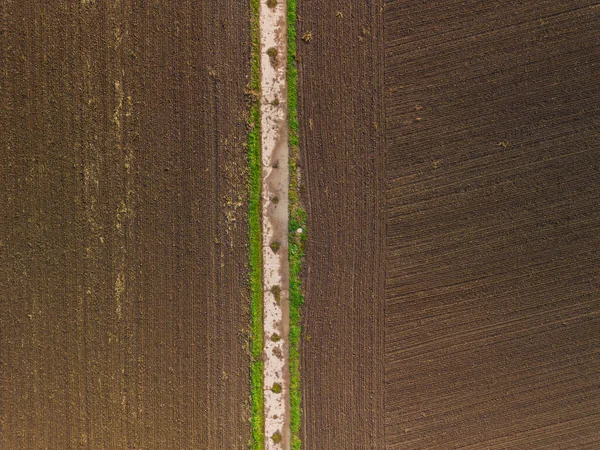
123 281
342 166
493 225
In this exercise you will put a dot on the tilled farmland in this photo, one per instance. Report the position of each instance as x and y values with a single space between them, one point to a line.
493 214
484 191
125 305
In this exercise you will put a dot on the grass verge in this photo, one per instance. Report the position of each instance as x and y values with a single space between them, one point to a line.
297 220
254 213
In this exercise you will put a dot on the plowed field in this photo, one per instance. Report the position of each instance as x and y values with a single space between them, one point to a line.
493 225
478 211
342 166
123 237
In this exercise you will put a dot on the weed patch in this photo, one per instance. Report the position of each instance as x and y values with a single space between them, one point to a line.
276 291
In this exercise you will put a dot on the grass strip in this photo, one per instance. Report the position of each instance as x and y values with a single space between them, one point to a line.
254 219
297 221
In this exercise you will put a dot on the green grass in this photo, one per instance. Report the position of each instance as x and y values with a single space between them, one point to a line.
254 212
297 220
296 242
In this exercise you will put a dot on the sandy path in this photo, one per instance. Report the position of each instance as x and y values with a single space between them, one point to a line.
275 180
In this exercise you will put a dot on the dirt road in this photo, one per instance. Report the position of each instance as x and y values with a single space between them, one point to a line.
123 237
274 217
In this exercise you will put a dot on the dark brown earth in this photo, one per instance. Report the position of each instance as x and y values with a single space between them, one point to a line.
342 165
493 225
123 281
478 210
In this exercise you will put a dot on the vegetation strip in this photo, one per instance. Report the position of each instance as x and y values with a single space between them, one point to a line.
297 222
254 213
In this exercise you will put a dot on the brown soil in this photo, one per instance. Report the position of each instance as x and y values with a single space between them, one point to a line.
480 216
342 164
123 282
493 225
